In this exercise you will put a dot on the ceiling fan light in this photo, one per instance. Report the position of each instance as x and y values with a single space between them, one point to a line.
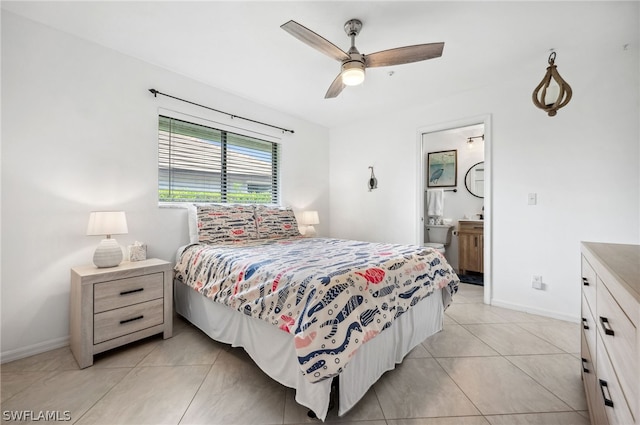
353 77
352 73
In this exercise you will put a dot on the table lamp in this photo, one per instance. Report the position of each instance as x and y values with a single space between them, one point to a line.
308 219
108 253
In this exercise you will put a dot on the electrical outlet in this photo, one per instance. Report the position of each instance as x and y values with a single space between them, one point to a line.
536 282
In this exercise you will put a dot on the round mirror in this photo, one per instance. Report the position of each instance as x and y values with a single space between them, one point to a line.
474 180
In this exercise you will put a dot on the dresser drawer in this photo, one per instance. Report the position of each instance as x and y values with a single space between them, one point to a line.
594 399
619 337
609 391
588 368
589 283
124 292
589 326
122 321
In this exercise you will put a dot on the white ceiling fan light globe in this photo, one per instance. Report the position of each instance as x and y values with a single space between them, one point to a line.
353 77
352 73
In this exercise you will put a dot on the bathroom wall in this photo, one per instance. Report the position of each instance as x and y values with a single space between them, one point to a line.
460 204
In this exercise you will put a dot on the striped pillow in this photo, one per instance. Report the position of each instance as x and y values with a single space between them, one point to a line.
226 223
276 222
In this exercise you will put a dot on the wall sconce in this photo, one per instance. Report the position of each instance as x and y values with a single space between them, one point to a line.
553 92
470 140
373 181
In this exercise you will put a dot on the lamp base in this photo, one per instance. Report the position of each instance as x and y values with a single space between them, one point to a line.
108 254
310 232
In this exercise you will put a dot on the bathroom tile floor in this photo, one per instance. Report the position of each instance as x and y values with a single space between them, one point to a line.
489 365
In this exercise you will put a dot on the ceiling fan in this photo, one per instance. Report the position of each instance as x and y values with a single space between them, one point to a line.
354 63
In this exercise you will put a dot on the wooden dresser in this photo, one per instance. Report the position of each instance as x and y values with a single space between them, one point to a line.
114 306
470 246
611 332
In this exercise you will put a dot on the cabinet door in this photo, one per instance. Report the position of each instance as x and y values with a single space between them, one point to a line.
470 252
464 245
475 261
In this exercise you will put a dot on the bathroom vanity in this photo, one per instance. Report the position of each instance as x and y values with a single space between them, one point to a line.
470 246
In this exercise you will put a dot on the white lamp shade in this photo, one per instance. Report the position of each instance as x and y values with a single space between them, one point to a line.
107 223
309 218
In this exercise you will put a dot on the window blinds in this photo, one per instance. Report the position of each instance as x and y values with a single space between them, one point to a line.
203 164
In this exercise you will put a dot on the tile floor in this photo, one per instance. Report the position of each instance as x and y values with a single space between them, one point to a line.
489 366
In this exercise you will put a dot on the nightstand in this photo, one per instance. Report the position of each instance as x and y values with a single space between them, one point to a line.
114 306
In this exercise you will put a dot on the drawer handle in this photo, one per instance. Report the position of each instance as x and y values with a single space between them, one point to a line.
605 326
122 322
584 365
131 291
585 281
584 323
607 401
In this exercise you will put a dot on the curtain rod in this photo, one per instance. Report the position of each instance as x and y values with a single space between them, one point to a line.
156 93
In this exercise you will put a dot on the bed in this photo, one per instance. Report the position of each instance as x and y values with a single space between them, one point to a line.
308 310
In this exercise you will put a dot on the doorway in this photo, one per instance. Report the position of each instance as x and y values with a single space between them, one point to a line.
465 197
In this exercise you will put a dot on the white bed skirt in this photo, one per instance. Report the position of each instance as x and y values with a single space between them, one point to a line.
273 350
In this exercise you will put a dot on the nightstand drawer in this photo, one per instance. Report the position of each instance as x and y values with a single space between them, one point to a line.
114 323
124 292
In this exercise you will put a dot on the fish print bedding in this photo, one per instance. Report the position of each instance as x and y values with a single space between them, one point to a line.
332 295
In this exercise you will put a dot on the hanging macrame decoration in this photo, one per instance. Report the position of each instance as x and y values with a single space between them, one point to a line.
553 92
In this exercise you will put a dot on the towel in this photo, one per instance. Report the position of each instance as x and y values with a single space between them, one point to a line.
435 202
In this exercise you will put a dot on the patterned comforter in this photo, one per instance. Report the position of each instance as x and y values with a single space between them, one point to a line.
333 295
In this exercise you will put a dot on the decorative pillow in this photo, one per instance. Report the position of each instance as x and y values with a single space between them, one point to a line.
224 223
276 222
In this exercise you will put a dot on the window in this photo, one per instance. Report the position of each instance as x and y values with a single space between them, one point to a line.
203 164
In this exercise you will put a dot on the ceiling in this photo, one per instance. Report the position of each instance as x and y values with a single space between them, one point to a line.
239 47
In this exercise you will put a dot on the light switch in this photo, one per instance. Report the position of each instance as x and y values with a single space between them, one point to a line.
533 199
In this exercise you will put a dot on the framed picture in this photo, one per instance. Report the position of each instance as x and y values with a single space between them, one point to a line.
442 169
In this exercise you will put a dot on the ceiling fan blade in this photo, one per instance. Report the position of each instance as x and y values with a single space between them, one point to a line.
335 88
319 43
407 54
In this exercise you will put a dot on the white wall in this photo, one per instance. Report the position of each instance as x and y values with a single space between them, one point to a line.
583 164
79 133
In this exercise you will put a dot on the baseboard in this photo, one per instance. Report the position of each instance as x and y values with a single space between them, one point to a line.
538 311
31 350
